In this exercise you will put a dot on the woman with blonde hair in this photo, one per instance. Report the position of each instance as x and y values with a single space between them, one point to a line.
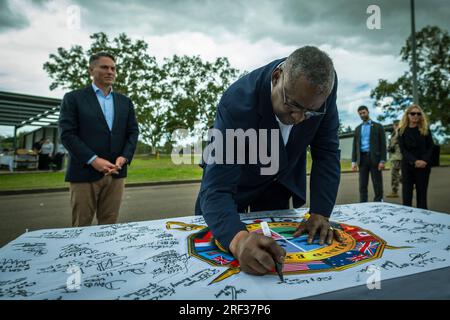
416 145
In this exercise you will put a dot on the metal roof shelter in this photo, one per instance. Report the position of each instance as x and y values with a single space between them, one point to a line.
19 110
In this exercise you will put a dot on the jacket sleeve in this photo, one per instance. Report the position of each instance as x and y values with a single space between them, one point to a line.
131 134
383 149
219 187
326 167
68 129
354 153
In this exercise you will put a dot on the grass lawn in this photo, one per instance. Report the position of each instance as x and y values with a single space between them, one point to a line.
143 169
444 159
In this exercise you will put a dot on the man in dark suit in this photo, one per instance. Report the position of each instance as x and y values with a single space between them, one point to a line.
369 154
98 128
297 97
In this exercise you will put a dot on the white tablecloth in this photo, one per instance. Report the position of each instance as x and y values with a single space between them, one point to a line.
145 260
6 160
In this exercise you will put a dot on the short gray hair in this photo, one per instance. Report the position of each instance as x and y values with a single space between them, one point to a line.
314 64
96 56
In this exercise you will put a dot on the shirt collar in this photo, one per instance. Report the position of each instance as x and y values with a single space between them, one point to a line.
369 122
96 89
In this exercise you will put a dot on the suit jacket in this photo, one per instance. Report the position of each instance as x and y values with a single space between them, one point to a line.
247 104
415 146
84 132
377 144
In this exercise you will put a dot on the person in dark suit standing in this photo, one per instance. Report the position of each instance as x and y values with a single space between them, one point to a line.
45 155
38 145
58 158
37 150
98 128
416 145
294 96
369 154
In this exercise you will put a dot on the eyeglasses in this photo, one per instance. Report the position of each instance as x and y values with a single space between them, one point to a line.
415 114
295 107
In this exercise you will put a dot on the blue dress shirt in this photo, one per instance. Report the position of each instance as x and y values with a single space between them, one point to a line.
107 106
365 136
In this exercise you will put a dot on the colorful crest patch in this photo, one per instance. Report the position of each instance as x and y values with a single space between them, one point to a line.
358 246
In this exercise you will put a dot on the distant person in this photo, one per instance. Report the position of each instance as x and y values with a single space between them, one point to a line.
45 155
58 158
37 149
395 157
416 145
369 154
98 127
38 145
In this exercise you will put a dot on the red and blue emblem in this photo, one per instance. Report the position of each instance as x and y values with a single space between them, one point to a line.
358 246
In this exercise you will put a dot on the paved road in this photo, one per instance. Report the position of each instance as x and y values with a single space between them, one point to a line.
51 210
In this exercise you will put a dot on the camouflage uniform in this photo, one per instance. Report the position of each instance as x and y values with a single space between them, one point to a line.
395 157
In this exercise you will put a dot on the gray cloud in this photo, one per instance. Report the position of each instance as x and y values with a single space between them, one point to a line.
164 17
340 23
334 22
260 30
10 19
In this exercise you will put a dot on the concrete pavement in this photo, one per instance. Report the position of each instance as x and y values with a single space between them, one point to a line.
52 210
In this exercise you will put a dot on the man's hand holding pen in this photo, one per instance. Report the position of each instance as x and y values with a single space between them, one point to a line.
257 254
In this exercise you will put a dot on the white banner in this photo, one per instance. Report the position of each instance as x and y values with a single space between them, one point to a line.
178 259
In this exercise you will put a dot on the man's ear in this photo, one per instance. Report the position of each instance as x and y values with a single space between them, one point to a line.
276 75
90 70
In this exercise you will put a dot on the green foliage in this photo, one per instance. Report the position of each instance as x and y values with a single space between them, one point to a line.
179 93
445 149
68 68
195 96
6 143
343 129
143 148
433 77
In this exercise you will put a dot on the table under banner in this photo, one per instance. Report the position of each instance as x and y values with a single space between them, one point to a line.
178 258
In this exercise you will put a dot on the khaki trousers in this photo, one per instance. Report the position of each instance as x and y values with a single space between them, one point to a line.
103 197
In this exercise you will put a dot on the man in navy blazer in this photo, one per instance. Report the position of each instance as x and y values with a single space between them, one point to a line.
369 155
297 97
98 127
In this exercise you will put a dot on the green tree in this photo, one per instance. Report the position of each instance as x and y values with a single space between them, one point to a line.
6 142
433 75
193 89
343 129
138 76
184 90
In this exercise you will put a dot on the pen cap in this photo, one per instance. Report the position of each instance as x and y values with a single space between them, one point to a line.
265 229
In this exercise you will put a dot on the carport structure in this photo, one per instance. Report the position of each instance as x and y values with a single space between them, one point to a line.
19 110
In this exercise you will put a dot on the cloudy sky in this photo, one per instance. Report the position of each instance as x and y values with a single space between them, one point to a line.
250 33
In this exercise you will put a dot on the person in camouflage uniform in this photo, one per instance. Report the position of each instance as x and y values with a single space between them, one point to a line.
395 156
